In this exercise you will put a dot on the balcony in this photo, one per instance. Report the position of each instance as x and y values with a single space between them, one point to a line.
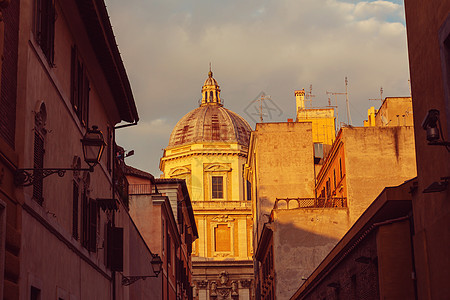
292 203
231 205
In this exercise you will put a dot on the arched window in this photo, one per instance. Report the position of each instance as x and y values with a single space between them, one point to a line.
211 96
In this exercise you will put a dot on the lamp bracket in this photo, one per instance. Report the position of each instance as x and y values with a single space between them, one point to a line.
439 143
27 177
127 280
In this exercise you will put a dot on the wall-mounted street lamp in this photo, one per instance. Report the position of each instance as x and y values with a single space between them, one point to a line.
156 266
432 124
93 146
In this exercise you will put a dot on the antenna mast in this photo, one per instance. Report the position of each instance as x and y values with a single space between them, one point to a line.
349 119
309 96
260 107
381 96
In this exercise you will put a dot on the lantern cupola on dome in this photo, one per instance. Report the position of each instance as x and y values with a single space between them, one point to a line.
210 91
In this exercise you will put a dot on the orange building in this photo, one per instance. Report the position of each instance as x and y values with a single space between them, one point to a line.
363 160
162 210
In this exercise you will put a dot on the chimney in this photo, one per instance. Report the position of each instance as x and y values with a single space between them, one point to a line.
300 99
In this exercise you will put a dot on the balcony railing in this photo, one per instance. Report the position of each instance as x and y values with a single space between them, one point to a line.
291 203
140 189
222 204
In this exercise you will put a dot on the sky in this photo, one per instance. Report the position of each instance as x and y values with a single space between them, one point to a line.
254 46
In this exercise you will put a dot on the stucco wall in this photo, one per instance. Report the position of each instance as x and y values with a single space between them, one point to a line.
376 157
284 165
302 239
426 22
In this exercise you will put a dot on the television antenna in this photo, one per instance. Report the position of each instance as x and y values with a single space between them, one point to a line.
381 96
349 119
309 96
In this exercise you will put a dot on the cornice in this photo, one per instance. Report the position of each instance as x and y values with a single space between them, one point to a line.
238 153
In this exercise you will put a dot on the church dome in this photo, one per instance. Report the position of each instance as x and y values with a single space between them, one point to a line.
210 122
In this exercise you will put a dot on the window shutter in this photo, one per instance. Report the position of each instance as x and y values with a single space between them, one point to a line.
115 248
84 220
8 98
38 164
76 196
85 100
73 79
92 225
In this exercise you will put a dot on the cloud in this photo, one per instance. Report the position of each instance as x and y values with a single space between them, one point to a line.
275 46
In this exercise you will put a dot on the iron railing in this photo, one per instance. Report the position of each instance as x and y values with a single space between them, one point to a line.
291 203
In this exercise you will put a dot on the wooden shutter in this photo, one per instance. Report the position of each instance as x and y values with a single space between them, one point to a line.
85 100
115 248
92 225
75 198
38 164
84 220
9 53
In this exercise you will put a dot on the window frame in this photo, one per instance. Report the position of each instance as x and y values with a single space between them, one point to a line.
44 28
79 88
220 191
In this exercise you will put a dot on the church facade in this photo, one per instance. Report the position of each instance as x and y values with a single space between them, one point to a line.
208 148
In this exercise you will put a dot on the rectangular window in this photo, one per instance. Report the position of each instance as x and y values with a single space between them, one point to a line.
222 237
75 198
92 225
38 184
89 223
217 187
79 88
8 69
163 236
169 252
44 26
328 187
35 293
114 252
108 149
334 177
249 190
84 219
340 168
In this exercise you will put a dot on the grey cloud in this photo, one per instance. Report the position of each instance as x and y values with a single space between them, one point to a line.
272 46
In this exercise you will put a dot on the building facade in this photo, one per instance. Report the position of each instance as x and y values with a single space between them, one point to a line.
374 259
428 33
208 148
364 160
67 236
163 213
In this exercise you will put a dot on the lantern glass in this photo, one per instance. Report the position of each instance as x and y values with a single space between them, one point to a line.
156 264
93 146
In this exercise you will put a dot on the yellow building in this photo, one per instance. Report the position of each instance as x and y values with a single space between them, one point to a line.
322 119
208 148
394 111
